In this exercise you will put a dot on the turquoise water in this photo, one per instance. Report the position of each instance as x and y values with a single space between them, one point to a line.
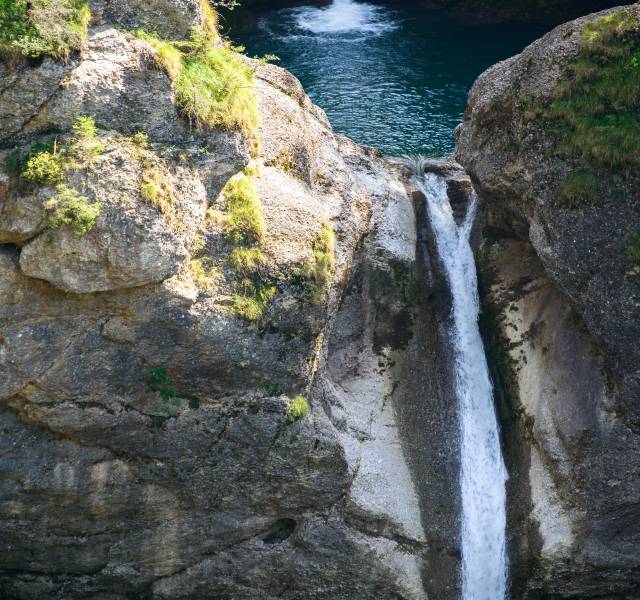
396 79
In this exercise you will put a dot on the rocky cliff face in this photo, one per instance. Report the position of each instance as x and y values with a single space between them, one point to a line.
151 447
561 289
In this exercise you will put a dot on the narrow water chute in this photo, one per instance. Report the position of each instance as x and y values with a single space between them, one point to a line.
483 473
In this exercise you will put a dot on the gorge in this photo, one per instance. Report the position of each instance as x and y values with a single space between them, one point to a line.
245 357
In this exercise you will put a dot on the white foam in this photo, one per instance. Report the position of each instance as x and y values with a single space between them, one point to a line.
344 16
483 474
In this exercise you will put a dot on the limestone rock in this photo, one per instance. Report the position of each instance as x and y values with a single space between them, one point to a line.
133 243
23 92
172 19
117 489
566 308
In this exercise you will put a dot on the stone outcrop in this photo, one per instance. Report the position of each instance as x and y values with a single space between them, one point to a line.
109 489
562 302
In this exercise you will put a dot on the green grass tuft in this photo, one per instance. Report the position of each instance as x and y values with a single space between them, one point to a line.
597 108
298 409
244 227
251 305
579 190
215 88
204 275
155 189
319 272
70 208
212 81
43 27
168 58
244 224
246 260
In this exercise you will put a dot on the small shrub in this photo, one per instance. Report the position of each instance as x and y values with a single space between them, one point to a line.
244 224
246 260
70 208
140 139
633 249
85 146
319 272
45 167
85 128
160 383
43 27
298 409
273 390
155 189
580 189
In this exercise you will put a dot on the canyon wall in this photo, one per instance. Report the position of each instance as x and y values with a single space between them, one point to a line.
561 292
171 427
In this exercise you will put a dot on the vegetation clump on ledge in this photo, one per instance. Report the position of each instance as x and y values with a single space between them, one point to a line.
47 164
298 409
213 83
633 249
244 229
318 272
597 109
68 207
37 28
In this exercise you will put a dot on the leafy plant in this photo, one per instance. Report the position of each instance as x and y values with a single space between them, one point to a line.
45 167
43 27
160 383
298 409
68 207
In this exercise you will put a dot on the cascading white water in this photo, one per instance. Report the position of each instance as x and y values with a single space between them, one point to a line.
343 16
483 474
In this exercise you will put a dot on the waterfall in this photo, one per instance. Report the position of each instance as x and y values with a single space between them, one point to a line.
344 16
483 474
